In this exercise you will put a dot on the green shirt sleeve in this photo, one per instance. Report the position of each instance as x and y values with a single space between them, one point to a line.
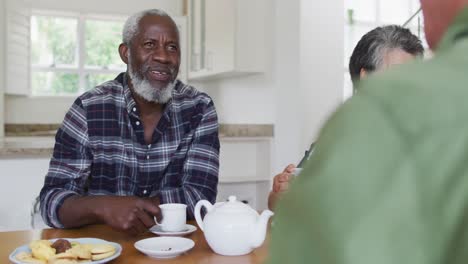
353 200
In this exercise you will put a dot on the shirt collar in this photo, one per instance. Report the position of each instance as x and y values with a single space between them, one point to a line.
457 30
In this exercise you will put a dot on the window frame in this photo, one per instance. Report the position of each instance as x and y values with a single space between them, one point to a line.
80 68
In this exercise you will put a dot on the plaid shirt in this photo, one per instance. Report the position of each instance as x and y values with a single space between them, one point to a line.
100 150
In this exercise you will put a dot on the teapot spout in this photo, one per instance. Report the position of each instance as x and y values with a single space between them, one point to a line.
259 233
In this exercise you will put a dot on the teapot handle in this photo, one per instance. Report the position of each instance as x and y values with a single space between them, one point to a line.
197 211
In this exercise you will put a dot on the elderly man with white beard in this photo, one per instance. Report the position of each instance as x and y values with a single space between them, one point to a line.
136 142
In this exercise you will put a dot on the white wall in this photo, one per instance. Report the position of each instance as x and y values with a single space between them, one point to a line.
288 107
46 110
2 63
321 65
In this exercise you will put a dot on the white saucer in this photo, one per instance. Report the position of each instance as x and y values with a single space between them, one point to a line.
188 230
164 247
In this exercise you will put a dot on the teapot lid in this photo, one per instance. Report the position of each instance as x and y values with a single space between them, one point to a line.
233 205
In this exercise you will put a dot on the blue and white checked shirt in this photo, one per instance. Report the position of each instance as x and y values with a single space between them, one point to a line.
100 150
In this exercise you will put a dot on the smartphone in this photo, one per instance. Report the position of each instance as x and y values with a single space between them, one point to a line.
306 157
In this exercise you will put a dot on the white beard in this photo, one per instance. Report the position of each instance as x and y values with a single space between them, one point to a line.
145 90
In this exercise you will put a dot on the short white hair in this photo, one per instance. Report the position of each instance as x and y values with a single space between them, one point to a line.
130 29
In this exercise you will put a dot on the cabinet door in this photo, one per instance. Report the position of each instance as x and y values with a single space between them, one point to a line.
181 23
220 35
196 35
21 184
227 38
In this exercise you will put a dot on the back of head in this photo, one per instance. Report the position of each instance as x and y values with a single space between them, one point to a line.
369 52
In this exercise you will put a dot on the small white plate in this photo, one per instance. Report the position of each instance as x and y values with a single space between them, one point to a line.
118 249
164 247
188 230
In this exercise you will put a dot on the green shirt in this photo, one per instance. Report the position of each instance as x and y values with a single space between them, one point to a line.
388 181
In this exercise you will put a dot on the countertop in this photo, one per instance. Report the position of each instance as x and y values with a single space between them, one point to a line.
26 147
30 141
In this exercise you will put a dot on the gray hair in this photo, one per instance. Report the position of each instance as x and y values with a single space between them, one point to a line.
130 29
373 46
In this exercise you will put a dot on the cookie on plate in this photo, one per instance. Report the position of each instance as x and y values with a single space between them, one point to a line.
102 251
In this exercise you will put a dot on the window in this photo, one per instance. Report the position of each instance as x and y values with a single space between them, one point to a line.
361 16
72 53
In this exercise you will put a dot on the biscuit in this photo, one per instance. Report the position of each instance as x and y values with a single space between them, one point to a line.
102 251
41 249
40 242
101 248
28 258
64 255
80 252
103 255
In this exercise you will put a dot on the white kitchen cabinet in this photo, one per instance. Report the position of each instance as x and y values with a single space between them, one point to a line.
245 159
245 170
227 38
21 183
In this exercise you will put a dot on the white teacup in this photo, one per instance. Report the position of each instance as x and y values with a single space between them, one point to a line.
174 217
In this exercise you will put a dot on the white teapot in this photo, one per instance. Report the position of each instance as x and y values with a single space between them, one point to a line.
232 228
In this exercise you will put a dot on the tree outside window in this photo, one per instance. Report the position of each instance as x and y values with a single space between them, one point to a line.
72 54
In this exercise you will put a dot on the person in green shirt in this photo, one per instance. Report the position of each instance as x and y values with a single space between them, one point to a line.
388 181
378 50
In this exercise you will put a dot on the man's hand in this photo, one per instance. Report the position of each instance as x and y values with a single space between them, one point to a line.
129 214
282 180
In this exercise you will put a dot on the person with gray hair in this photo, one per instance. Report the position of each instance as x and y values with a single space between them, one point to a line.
381 48
135 142
377 50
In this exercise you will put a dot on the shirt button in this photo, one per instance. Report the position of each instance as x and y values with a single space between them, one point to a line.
147 157
134 109
137 123
149 146
145 191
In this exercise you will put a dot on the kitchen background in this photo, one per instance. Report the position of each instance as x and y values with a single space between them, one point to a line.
275 69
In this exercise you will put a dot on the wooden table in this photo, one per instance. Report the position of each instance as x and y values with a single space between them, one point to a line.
200 254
